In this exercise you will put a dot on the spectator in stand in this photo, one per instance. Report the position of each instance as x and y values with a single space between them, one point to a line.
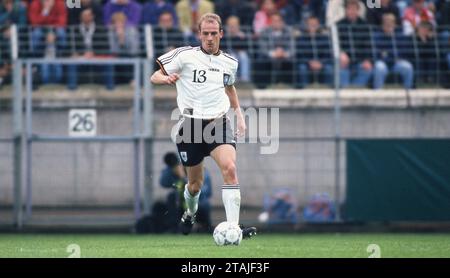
75 14
392 54
415 14
152 11
336 10
262 18
51 72
277 50
242 9
189 12
48 38
123 38
130 8
375 15
48 13
445 48
166 36
236 43
279 4
297 12
11 12
90 40
426 60
443 13
443 33
314 55
123 42
356 49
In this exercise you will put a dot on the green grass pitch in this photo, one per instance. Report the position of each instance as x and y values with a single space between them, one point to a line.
201 246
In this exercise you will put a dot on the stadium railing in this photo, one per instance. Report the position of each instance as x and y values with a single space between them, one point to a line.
429 60
11 122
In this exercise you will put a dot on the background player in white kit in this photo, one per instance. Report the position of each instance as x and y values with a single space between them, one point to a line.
204 77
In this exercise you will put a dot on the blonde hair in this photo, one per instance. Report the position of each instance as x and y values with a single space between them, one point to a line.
210 17
118 17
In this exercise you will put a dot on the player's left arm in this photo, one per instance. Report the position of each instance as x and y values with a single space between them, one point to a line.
234 102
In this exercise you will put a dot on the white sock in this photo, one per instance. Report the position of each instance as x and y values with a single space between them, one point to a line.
231 197
191 201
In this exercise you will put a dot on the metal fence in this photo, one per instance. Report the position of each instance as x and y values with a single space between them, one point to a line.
72 152
295 56
6 163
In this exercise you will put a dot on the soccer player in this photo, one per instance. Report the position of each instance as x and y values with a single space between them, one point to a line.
204 78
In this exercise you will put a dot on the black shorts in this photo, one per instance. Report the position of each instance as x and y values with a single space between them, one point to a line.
197 138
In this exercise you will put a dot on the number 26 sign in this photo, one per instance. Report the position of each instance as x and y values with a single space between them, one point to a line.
82 122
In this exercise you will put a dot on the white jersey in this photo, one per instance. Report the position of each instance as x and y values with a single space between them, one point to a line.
203 77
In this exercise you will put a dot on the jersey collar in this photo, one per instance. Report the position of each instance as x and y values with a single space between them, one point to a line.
215 54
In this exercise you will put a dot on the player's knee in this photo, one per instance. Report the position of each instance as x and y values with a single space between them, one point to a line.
195 186
229 171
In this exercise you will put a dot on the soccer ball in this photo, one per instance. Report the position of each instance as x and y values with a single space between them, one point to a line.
227 233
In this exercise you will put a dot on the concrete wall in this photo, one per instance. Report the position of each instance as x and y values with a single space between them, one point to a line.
99 174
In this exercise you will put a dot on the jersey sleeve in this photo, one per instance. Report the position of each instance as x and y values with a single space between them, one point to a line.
233 72
170 62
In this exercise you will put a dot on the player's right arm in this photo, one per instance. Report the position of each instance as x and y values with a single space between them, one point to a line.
170 67
160 78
